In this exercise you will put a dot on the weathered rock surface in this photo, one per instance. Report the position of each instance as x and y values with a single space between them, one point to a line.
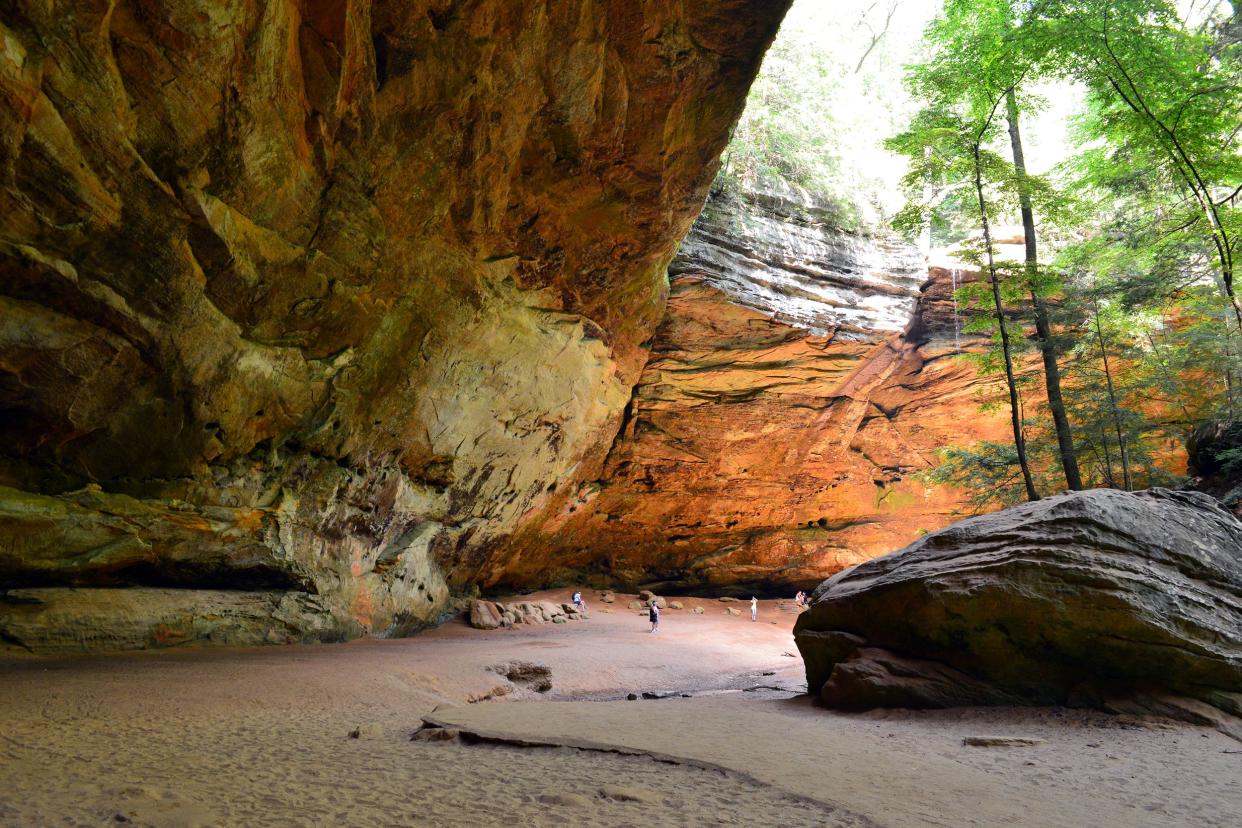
782 254
531 674
763 454
332 299
68 621
871 677
1085 598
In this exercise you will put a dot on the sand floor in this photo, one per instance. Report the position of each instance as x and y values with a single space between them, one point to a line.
261 737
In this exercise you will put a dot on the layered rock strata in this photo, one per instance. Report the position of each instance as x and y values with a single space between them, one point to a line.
801 380
1131 601
326 301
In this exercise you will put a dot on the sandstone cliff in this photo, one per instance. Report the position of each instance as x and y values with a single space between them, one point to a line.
305 308
800 380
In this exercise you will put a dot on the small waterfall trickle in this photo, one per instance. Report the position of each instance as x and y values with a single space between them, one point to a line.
957 323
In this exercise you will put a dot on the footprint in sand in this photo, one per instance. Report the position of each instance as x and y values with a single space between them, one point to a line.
619 793
165 809
568 800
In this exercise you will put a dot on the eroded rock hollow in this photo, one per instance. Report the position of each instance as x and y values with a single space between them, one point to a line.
802 378
308 309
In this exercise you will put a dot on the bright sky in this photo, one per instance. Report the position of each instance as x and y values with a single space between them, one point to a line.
846 27
872 103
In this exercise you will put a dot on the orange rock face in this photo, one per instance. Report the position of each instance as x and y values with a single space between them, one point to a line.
345 286
760 453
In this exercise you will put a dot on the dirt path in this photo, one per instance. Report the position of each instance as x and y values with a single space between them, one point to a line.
261 737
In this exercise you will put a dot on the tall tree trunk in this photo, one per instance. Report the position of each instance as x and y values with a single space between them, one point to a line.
1112 400
1019 440
1043 329
1108 458
925 232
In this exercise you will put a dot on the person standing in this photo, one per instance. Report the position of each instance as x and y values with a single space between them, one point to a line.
578 602
653 612
754 608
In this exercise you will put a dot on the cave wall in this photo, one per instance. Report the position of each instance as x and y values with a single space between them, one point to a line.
801 379
307 308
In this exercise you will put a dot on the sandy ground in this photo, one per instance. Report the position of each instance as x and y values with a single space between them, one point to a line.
261 737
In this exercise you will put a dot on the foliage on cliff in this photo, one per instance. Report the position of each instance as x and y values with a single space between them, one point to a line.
1132 304
828 94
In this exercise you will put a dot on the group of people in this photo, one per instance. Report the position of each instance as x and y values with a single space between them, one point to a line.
653 612
653 607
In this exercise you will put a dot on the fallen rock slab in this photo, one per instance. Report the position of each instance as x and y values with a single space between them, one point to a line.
485 615
1085 596
1001 741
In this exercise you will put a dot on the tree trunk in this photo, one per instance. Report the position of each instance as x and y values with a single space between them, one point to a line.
1112 401
925 233
1019 441
1108 458
1043 329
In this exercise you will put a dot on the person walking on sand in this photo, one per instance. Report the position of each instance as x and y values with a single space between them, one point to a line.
578 602
653 612
754 608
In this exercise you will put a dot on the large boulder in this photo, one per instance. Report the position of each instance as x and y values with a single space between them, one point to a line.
485 615
1087 598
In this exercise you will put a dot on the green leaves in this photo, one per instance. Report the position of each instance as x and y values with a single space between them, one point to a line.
829 91
1145 223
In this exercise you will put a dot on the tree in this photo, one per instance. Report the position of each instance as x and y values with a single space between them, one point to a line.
949 142
1169 96
980 50
1043 329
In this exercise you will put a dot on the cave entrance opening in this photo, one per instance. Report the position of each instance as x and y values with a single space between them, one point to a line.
830 92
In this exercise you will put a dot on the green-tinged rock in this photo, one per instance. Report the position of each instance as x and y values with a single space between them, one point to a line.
63 621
